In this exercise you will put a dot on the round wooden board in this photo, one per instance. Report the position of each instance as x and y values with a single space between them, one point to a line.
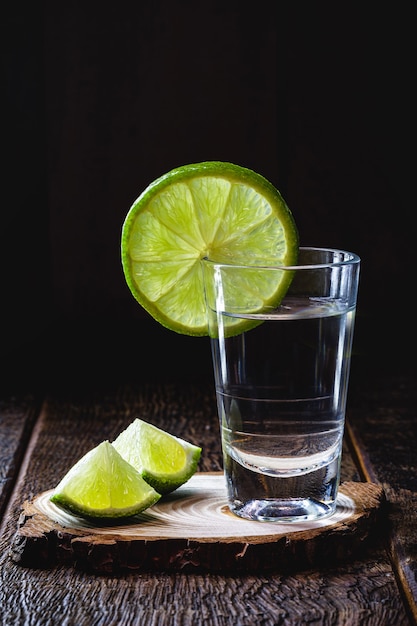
193 530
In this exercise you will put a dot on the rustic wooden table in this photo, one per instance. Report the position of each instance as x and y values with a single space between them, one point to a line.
46 425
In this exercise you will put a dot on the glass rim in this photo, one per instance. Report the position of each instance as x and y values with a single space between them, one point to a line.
349 258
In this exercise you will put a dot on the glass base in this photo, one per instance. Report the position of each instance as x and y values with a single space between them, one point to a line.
284 511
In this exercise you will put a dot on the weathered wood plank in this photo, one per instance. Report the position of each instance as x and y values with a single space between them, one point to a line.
362 591
364 595
383 437
17 417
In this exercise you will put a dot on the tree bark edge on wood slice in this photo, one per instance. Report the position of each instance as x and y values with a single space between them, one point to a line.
216 541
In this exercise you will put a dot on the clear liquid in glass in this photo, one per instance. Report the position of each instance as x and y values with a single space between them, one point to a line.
281 393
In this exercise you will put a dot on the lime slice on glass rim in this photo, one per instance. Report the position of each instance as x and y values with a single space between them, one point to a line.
163 460
102 485
216 210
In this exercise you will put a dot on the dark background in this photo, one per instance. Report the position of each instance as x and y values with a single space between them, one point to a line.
98 100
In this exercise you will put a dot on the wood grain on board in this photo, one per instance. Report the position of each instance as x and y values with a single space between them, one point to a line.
193 530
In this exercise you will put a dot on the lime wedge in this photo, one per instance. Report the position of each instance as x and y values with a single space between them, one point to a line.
214 209
163 460
103 485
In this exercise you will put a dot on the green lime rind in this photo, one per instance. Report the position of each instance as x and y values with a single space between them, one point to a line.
102 485
164 461
213 209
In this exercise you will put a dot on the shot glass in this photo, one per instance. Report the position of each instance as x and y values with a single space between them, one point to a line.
281 377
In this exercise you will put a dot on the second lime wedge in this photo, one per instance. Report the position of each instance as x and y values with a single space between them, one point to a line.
212 209
163 460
